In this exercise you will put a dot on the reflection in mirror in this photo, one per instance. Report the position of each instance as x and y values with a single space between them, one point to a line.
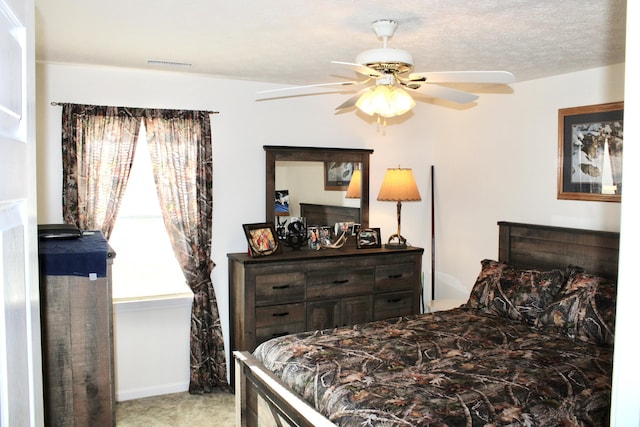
314 183
306 182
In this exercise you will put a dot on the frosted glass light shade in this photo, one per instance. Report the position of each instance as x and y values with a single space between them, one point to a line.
386 101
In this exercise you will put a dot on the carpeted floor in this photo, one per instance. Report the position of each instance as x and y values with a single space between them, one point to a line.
178 410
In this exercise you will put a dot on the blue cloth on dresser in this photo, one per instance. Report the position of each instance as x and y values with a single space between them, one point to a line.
74 257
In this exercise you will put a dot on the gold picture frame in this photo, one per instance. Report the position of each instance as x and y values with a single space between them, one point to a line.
590 152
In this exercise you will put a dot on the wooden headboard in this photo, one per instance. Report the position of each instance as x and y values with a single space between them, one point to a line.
547 247
328 215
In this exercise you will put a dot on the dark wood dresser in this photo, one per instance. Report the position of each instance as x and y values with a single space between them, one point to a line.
77 331
304 290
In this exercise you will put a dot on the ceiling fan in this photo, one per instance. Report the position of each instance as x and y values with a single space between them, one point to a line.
387 72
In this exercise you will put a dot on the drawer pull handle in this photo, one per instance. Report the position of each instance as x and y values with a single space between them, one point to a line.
280 334
340 282
395 276
286 313
280 287
394 300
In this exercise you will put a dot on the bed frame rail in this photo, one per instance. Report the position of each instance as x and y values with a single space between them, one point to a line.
262 399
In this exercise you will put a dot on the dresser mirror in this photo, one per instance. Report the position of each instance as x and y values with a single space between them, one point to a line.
311 194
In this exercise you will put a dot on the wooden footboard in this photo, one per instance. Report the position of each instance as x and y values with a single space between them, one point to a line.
263 400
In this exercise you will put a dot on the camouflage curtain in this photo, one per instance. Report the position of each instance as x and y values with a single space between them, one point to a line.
98 144
182 162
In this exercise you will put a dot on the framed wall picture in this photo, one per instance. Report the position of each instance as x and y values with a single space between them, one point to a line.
590 152
368 238
337 175
262 239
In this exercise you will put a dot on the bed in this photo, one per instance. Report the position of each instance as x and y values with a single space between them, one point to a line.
328 214
532 346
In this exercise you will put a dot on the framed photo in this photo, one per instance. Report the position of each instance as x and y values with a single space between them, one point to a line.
337 175
590 152
344 227
262 239
368 238
282 202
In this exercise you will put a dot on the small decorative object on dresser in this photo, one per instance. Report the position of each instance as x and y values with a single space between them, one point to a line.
261 238
368 238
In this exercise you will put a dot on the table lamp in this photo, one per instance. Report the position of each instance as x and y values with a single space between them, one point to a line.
353 191
399 186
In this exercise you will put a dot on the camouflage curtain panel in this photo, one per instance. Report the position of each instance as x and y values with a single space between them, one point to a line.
182 161
98 144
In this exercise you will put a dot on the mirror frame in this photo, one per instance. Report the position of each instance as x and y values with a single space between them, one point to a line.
275 153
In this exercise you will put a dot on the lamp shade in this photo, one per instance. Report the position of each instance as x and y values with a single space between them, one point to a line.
386 101
353 191
399 185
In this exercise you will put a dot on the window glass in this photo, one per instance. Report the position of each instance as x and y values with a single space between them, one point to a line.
144 265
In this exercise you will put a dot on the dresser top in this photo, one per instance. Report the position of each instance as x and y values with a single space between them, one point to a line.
287 254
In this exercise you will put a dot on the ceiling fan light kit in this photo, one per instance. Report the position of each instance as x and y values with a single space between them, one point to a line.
385 101
392 70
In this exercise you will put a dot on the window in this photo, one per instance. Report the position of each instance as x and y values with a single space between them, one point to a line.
144 266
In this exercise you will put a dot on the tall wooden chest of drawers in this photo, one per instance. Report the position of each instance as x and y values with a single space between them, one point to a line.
77 331
304 290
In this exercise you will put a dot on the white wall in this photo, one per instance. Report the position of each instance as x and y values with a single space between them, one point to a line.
498 161
625 398
495 161
151 345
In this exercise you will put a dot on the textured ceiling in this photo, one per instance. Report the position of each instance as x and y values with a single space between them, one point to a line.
293 41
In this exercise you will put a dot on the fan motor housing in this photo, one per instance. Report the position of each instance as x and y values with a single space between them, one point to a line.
386 60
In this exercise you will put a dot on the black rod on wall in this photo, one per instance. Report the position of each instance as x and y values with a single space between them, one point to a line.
433 238
60 104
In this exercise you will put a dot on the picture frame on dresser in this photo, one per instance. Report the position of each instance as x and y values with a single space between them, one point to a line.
590 141
368 238
261 238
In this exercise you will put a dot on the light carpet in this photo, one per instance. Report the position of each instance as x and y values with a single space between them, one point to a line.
178 410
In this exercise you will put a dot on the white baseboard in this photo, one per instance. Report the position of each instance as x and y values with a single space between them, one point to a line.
139 393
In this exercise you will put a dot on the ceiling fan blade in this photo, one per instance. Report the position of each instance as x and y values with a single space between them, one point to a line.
351 102
447 93
501 77
359 68
284 89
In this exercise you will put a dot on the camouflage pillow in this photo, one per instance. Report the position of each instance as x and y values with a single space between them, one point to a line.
585 309
518 294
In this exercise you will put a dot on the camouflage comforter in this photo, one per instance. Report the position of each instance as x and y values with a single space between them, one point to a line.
461 367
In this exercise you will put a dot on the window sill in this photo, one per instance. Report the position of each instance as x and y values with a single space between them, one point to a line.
153 302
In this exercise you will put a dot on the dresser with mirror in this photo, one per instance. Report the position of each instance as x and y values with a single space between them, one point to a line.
298 290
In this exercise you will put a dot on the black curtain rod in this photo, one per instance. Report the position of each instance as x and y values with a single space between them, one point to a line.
60 104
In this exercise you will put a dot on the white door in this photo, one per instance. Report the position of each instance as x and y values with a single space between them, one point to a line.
21 401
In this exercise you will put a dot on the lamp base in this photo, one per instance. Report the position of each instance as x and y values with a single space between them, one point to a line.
401 242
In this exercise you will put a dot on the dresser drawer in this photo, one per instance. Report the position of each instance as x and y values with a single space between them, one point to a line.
333 283
265 334
394 277
279 314
279 288
279 320
393 304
